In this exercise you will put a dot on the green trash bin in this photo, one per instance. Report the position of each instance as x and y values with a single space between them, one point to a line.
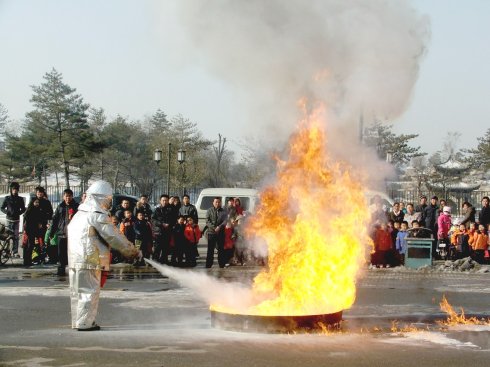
419 250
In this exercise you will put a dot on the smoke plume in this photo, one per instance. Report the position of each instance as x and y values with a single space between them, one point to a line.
356 56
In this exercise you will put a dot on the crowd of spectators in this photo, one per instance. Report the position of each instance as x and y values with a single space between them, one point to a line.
451 239
170 233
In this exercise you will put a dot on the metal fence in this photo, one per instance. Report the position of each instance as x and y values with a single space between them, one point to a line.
454 199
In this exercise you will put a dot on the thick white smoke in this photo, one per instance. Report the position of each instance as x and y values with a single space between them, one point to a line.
354 55
235 296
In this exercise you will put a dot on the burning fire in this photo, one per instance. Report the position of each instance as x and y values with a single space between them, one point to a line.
454 319
407 328
313 219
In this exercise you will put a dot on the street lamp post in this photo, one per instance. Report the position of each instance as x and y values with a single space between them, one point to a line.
181 160
168 169
157 157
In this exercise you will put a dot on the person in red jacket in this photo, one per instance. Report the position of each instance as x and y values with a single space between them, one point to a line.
238 206
192 234
382 246
230 238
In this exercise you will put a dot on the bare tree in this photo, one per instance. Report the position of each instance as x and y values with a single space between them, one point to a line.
219 151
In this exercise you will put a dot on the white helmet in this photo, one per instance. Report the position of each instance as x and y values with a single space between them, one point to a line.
100 187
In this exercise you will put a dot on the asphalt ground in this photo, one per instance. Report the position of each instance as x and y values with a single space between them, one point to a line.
150 320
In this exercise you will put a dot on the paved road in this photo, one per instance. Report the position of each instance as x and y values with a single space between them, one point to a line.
150 320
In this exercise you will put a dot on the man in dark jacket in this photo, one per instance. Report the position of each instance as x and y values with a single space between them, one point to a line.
187 209
13 206
216 221
484 217
469 212
430 217
62 217
421 208
164 219
125 205
45 206
142 206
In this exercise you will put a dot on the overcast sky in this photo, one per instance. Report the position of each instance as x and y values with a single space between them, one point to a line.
126 57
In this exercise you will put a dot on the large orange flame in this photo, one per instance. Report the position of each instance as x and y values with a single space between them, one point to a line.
313 219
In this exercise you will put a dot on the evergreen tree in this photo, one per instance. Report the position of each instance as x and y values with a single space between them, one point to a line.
60 116
159 122
4 116
386 142
480 156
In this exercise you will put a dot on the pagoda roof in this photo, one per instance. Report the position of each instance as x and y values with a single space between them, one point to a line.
452 165
455 187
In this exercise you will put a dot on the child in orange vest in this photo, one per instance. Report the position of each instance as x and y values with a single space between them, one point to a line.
479 242
460 240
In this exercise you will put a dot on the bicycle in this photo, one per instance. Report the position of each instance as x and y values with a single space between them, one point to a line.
6 244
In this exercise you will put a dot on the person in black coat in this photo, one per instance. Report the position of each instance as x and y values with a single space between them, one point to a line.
180 244
33 226
430 216
142 206
13 206
163 221
421 208
469 214
484 216
46 208
61 218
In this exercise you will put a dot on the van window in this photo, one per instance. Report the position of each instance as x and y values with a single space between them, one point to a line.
244 201
206 202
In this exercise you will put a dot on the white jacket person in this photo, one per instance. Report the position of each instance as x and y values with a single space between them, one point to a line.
90 233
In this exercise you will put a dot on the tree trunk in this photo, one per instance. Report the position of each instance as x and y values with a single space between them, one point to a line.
45 177
116 174
63 155
219 156
101 166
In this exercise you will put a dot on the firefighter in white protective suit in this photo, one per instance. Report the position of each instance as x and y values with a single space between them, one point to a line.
90 233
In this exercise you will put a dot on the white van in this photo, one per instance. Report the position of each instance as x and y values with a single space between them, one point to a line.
248 198
27 199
